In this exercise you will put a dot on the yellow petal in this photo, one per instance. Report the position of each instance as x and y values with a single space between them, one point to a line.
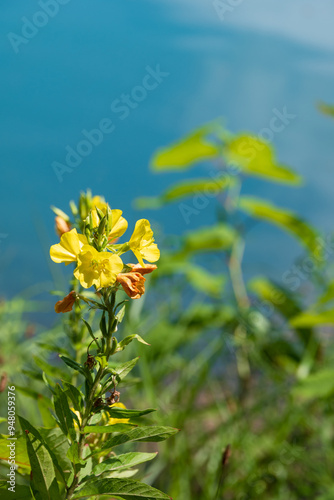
119 225
151 253
97 268
69 247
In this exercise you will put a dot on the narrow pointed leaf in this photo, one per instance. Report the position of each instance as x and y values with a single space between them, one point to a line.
126 489
123 462
44 483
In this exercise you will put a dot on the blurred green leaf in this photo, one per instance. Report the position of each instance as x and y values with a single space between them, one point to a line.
183 154
256 157
316 385
198 277
121 346
185 189
313 318
285 219
327 109
211 238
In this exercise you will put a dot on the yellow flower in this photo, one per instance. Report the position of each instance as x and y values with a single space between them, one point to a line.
118 224
113 421
142 243
97 268
99 202
69 247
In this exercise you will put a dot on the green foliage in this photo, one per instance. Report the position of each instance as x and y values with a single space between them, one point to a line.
256 158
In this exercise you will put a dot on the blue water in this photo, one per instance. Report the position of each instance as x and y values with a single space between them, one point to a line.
263 55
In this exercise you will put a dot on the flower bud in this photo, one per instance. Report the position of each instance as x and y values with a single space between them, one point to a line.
62 226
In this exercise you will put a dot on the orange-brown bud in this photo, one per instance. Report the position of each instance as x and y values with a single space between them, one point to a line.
66 304
133 284
62 226
138 268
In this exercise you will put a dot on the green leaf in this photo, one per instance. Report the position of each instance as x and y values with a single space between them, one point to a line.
120 370
183 190
183 154
197 276
126 489
124 461
21 454
73 454
106 429
257 157
75 395
212 238
49 369
44 483
285 219
129 339
21 492
309 319
120 315
58 447
116 412
90 331
327 109
316 385
64 413
76 366
142 434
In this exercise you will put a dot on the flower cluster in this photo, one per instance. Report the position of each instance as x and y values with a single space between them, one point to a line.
96 251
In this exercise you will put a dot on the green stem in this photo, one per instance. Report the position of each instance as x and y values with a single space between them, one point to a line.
89 404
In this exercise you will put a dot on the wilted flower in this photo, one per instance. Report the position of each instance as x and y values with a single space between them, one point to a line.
66 304
146 269
133 284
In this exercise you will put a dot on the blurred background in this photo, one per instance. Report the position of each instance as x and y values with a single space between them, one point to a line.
237 60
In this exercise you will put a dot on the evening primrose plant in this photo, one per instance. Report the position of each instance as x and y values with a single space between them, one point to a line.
76 457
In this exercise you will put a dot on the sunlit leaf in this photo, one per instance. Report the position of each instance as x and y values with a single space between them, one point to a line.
257 157
183 154
310 319
211 238
316 385
186 189
285 219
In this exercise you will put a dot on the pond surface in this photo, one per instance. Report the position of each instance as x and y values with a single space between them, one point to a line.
245 63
